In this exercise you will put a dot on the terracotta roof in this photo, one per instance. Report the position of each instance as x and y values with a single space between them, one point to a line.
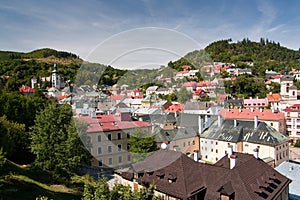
175 108
179 176
265 115
26 89
273 97
117 97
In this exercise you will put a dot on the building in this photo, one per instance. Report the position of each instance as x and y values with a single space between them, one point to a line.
243 136
255 103
236 176
291 170
274 101
287 92
108 137
272 118
292 115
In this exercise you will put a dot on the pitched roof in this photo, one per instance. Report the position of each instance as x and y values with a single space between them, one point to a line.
291 169
293 108
265 114
244 131
273 97
176 174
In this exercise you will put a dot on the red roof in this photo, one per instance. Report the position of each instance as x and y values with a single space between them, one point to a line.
276 76
188 84
117 97
266 114
175 108
26 89
110 123
63 97
293 108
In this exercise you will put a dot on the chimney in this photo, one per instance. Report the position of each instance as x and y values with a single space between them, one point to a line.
255 121
196 155
200 121
261 109
252 109
240 110
232 161
230 151
256 153
234 123
219 121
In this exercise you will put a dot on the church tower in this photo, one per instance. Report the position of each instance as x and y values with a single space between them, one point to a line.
55 79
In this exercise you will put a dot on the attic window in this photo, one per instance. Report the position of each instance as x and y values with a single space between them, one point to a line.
172 177
160 174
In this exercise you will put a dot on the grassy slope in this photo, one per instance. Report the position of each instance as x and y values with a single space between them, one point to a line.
17 182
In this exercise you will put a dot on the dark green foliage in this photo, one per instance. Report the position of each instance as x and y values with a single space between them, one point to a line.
141 143
2 159
266 54
297 144
100 191
55 141
177 65
183 95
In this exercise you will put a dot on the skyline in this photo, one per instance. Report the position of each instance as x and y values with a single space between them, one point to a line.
92 29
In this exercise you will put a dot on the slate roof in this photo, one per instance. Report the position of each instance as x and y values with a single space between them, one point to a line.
250 179
244 131
197 105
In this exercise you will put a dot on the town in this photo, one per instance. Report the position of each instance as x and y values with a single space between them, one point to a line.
214 131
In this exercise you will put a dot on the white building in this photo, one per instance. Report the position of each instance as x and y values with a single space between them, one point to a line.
244 137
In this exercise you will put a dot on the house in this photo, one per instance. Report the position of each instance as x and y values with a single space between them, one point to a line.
236 176
255 103
244 136
107 137
274 101
150 100
297 76
25 89
286 92
151 90
292 115
175 108
291 170
270 117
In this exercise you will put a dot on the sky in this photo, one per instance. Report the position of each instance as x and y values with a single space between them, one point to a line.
143 33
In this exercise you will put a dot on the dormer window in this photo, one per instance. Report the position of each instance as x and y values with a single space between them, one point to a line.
172 177
160 174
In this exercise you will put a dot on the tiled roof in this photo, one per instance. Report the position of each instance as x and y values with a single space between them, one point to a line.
293 108
177 175
273 97
244 131
265 114
175 108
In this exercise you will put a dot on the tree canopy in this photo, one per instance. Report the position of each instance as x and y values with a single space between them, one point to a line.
55 141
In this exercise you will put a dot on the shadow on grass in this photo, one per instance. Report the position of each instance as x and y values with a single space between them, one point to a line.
14 188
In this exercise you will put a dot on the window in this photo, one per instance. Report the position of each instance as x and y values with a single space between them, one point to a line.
183 144
119 147
206 157
110 161
193 142
189 143
216 158
109 149
288 114
89 139
99 138
216 143
109 136
271 123
216 150
212 150
119 136
120 159
99 150
128 135
128 146
129 158
100 164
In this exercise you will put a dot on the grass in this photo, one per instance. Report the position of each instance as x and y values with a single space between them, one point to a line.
25 182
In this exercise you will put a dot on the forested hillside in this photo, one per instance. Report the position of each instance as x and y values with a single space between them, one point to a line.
265 54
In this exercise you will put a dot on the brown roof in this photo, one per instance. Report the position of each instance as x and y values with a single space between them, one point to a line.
251 178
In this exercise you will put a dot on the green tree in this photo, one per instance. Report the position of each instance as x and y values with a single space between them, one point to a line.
183 95
55 141
14 140
2 159
297 144
141 144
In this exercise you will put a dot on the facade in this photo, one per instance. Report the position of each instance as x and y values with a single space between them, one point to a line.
236 176
292 115
108 138
244 137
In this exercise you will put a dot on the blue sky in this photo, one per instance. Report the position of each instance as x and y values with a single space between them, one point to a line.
91 28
